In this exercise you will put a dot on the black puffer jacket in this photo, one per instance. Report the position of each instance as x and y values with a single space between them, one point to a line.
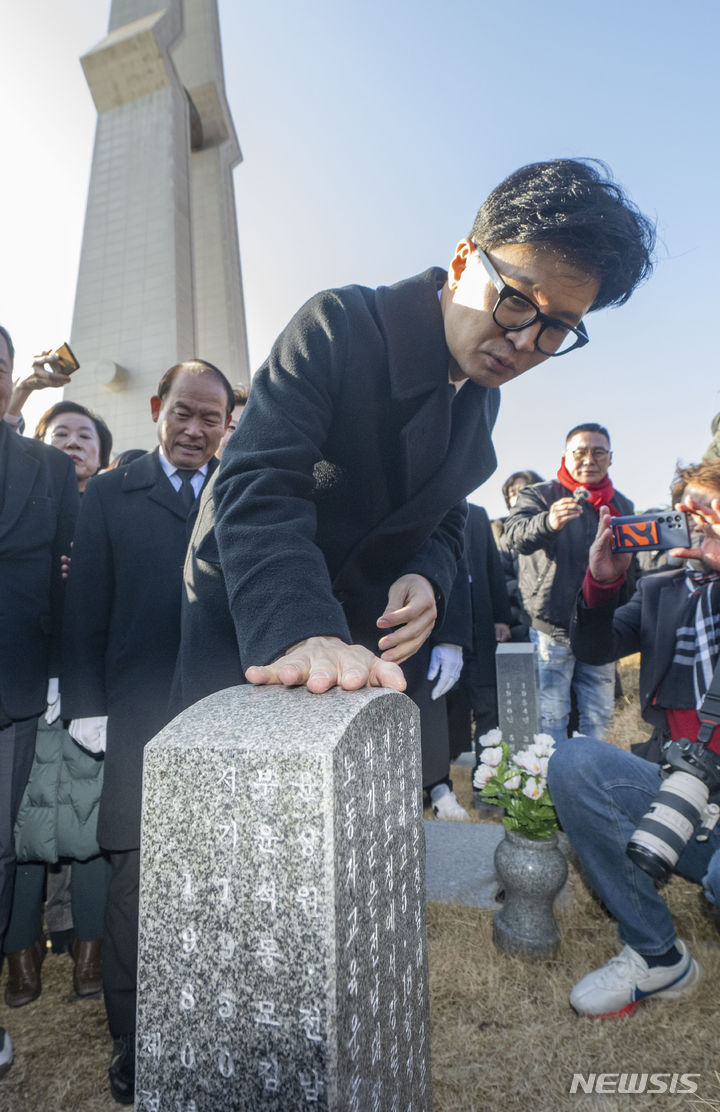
553 563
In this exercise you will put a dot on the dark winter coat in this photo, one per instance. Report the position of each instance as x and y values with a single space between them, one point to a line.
38 508
646 624
552 563
122 626
347 471
488 597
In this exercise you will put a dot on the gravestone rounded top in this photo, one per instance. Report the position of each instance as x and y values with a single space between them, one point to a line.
271 718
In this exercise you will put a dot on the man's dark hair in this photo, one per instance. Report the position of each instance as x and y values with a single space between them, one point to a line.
705 474
574 209
240 395
195 367
122 459
589 426
527 478
10 346
104 434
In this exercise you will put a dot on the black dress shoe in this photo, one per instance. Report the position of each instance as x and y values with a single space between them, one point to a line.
122 1069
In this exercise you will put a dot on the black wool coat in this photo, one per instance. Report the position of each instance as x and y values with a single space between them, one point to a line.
488 596
122 626
38 509
347 471
552 563
646 624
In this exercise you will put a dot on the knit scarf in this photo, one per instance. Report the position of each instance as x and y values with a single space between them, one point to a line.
697 644
600 493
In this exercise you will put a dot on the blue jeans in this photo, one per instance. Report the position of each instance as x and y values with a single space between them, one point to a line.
560 671
600 794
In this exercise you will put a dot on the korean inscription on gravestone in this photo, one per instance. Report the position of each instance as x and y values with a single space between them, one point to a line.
517 687
299 976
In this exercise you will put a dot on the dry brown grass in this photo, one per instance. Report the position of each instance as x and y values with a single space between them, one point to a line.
503 1035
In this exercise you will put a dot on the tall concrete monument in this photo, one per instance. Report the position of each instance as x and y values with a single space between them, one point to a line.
159 277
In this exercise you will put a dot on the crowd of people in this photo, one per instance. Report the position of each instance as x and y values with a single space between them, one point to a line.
331 547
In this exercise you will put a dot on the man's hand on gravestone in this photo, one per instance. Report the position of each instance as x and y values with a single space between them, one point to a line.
411 608
320 663
605 565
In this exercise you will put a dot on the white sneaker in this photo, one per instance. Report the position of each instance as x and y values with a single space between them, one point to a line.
447 807
618 987
6 1052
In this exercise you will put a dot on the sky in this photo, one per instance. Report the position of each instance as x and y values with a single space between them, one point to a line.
371 133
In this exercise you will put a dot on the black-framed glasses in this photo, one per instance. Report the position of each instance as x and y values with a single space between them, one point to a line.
513 311
598 454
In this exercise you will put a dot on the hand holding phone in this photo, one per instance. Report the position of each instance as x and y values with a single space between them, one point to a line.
650 532
64 359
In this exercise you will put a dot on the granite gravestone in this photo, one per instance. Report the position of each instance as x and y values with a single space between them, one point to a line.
517 692
283 960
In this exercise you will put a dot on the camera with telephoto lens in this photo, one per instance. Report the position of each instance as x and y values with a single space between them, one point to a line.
691 777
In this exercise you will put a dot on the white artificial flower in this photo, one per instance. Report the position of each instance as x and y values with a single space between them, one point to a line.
533 788
492 756
543 745
543 762
513 782
482 774
492 737
529 761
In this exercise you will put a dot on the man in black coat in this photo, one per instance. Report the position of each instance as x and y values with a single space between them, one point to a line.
472 703
122 637
551 527
338 499
601 792
38 508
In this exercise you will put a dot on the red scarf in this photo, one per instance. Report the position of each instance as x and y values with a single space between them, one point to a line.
600 493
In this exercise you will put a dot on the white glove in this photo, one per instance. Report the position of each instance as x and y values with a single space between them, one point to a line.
91 733
447 660
53 701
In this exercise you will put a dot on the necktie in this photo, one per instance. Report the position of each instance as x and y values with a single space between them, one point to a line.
186 492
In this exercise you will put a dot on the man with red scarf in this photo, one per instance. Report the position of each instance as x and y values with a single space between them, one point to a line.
551 527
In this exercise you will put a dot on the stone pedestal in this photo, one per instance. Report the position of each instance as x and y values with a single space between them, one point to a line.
517 690
282 928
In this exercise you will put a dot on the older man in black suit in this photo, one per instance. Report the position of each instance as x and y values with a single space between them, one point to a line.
38 508
123 632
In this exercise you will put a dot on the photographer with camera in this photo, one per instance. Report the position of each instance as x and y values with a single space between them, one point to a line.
602 794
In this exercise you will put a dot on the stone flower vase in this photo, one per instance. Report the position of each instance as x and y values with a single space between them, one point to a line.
531 873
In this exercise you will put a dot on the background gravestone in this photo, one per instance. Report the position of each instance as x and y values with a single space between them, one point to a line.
283 958
517 692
